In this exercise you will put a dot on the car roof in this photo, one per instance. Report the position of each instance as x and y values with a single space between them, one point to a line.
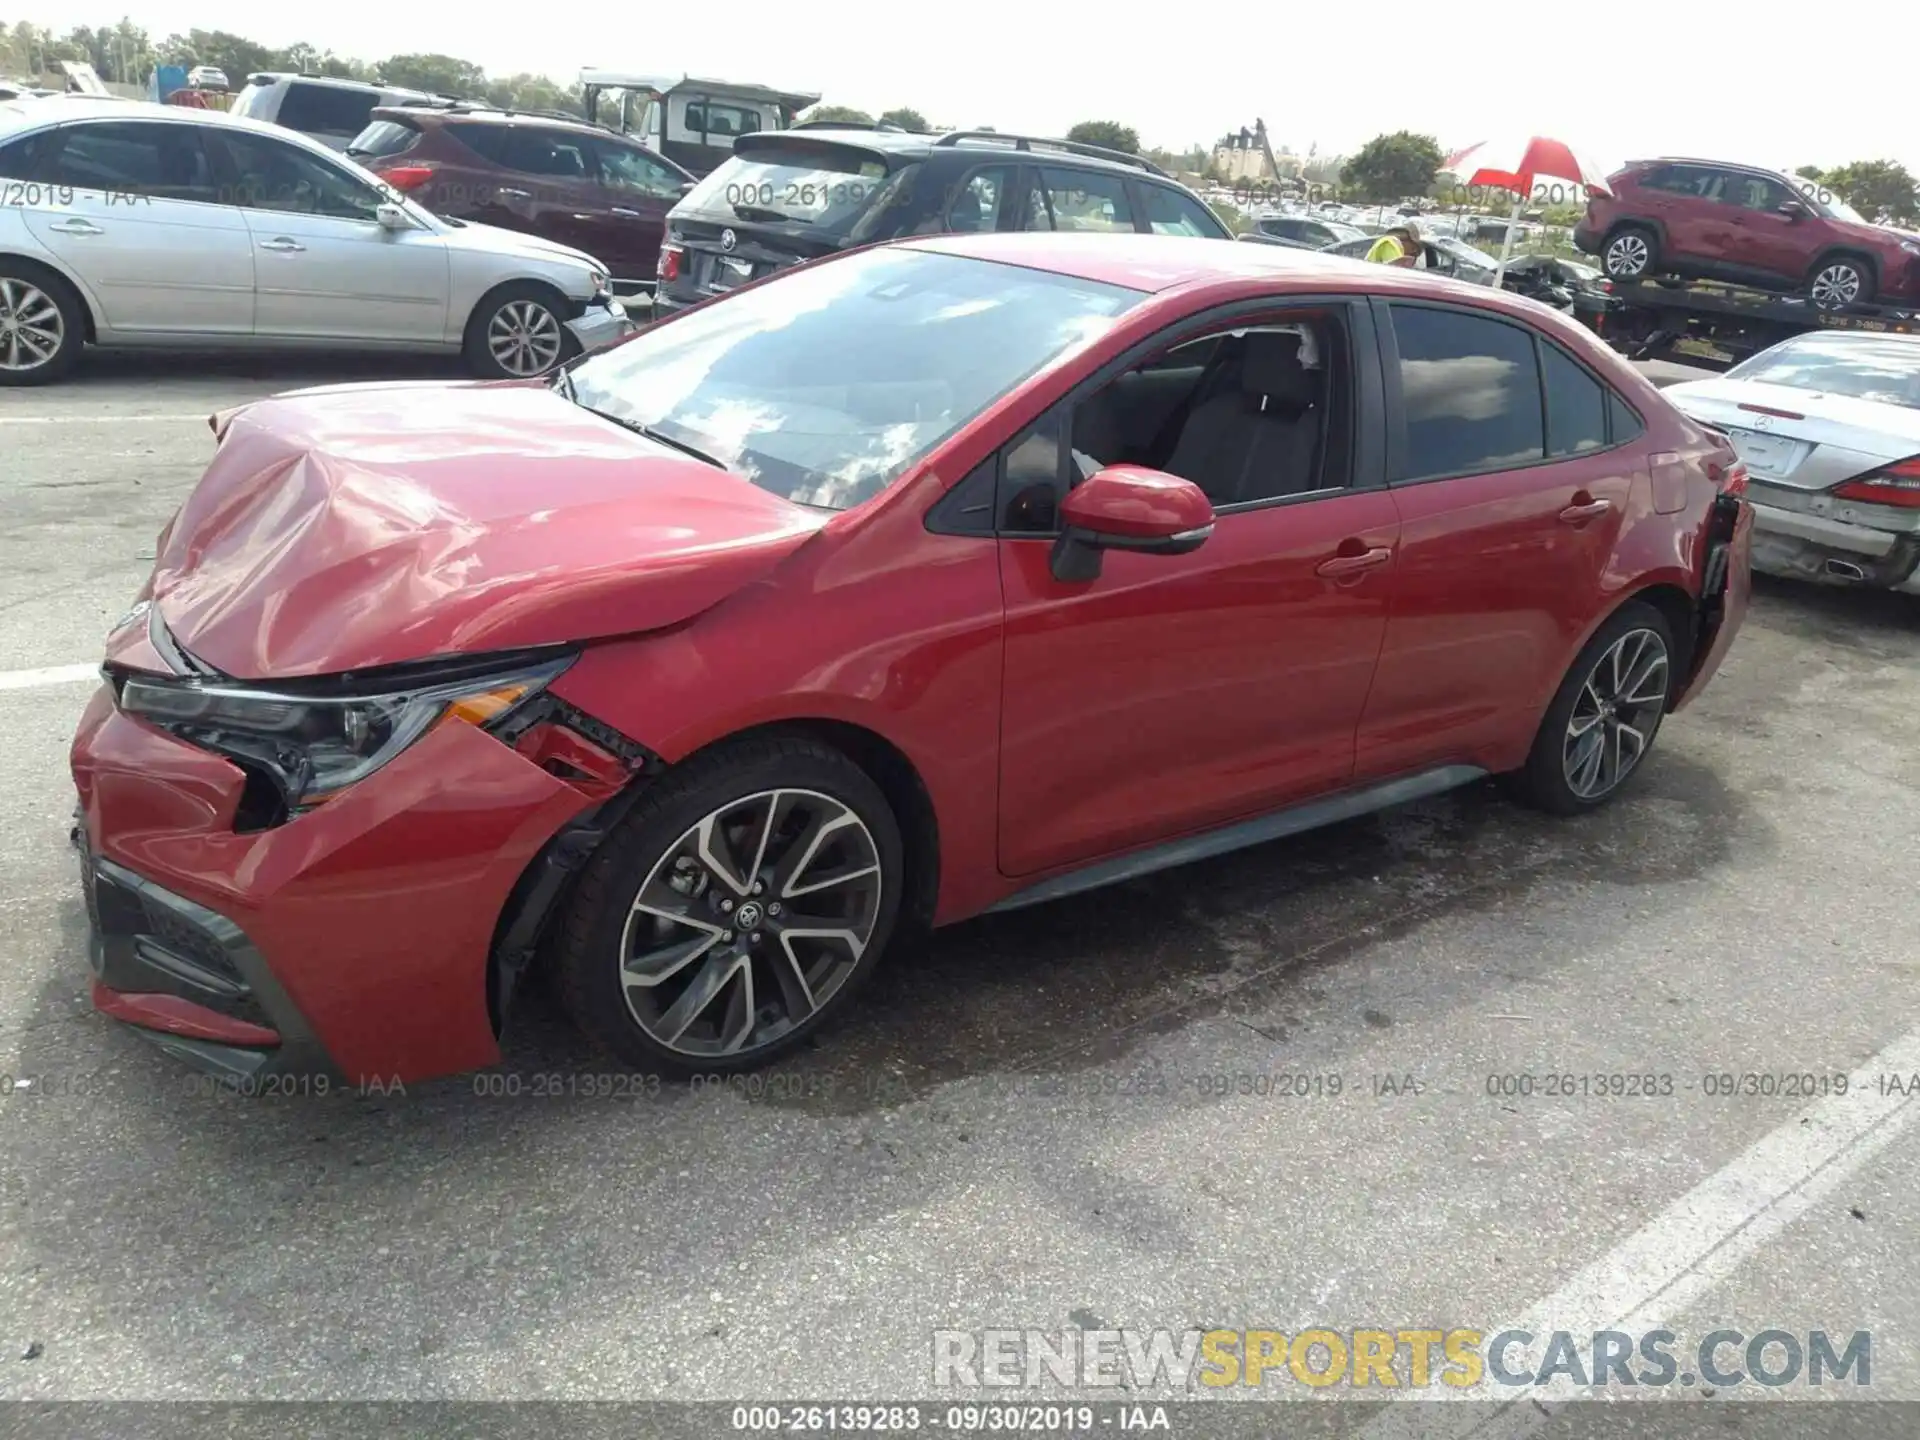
336 82
487 115
17 115
972 146
1153 263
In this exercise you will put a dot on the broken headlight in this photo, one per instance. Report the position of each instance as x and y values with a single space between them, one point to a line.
314 738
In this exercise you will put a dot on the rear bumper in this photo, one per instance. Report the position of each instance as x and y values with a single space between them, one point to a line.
1828 551
353 940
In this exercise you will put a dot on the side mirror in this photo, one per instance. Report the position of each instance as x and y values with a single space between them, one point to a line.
1792 209
1128 507
393 217
686 186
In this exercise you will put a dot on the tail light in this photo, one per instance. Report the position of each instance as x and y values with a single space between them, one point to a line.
670 257
1734 481
407 177
1895 484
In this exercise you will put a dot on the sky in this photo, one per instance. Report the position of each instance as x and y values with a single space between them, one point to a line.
1707 80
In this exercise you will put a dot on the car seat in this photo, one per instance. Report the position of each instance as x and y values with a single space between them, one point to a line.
1259 439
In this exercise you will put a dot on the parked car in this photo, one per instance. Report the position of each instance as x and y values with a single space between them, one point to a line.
1701 219
319 107
809 191
1441 255
1304 231
130 224
563 180
207 77
1829 426
940 577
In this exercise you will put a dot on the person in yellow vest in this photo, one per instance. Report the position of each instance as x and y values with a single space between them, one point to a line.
1399 246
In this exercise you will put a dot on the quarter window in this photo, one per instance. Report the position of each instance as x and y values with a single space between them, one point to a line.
1469 391
1576 405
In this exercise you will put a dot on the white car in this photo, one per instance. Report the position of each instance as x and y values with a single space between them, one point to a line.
207 77
1829 426
131 224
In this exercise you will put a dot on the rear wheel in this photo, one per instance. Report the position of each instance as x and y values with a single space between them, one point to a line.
1629 252
1604 717
516 333
42 328
735 910
1838 281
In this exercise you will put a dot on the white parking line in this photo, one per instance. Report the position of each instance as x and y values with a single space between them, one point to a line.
47 675
199 415
1695 1244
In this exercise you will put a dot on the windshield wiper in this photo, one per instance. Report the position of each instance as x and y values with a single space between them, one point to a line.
657 436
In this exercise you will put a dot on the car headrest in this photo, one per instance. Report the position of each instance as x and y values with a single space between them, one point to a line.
1270 368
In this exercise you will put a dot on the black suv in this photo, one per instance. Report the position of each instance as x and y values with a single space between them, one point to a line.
791 195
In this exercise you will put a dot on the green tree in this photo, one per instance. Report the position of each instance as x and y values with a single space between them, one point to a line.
440 74
1878 189
1390 167
1808 172
838 114
1108 134
238 56
907 118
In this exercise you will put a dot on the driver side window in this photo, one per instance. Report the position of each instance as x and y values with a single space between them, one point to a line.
1251 415
264 174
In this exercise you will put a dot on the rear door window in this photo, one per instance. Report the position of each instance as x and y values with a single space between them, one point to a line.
337 111
133 157
1087 200
981 199
1168 212
1576 405
1469 393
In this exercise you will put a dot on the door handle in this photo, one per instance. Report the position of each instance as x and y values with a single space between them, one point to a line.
76 227
1352 562
1585 508
511 193
626 214
281 243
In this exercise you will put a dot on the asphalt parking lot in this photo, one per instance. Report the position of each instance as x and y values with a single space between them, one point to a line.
1058 1118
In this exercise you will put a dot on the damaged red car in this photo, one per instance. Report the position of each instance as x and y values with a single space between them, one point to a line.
925 580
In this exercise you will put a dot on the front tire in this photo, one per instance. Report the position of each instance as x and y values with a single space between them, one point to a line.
516 333
42 327
735 910
1840 281
1604 717
1629 253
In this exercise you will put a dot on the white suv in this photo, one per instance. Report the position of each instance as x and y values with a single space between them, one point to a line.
331 111
127 224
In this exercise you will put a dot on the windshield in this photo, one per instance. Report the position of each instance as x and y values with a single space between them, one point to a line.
1343 232
1861 367
1460 250
823 187
826 385
1827 203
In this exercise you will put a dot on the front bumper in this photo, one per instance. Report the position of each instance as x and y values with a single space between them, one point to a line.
1834 552
353 940
601 324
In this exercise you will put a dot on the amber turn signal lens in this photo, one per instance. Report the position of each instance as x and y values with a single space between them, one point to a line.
479 709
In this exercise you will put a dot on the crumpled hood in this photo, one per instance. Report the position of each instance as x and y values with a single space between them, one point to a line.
374 524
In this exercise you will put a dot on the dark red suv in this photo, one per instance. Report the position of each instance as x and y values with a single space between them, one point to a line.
563 180
1702 219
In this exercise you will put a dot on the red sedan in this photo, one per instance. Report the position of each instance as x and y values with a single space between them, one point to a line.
926 580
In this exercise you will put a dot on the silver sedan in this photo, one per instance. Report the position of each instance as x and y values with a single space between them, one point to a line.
129 224
1829 426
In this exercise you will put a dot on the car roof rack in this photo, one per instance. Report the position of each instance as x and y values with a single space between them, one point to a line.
452 106
884 125
1072 147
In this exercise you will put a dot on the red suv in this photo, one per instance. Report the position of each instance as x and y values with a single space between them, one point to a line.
563 180
1702 219
928 579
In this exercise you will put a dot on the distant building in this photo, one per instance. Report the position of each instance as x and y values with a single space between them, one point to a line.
1246 157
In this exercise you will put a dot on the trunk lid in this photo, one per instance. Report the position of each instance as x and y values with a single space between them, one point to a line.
1801 439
